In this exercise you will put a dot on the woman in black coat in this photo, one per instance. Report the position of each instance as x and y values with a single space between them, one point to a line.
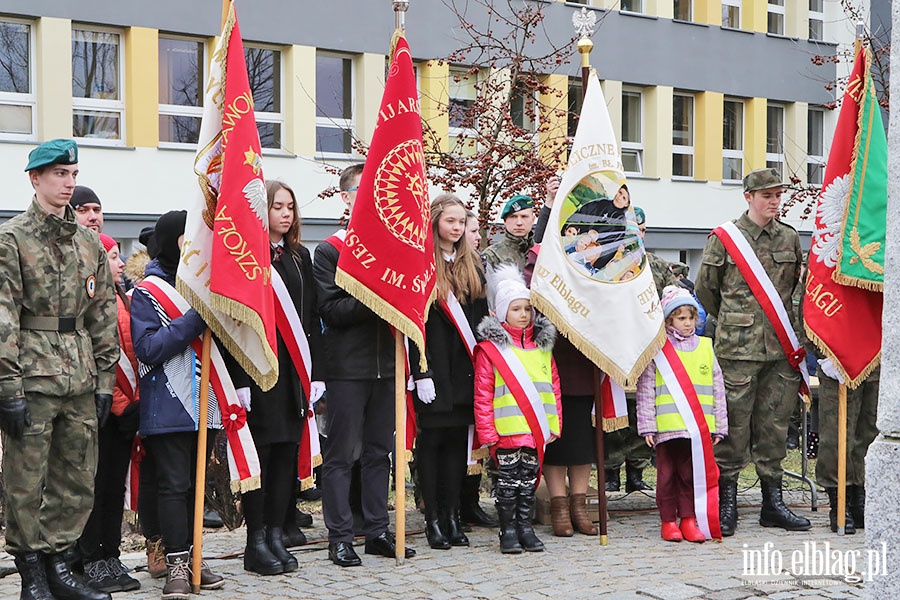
444 394
277 417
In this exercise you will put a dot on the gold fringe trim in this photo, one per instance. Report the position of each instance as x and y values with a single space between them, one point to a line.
307 483
615 424
316 461
865 284
829 354
246 485
386 311
409 456
589 350
395 39
265 381
480 453
475 469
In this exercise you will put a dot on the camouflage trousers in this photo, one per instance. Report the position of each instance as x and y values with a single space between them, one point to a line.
862 411
761 397
49 474
625 445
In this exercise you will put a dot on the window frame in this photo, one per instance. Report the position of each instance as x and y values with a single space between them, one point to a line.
455 131
776 9
639 11
690 17
818 16
531 135
682 149
102 105
179 110
342 124
773 158
739 5
271 117
735 153
27 99
637 148
816 160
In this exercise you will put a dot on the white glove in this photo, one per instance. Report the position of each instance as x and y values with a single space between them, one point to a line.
316 391
243 395
425 390
829 369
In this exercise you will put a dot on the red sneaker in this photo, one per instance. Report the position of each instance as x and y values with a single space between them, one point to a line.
690 531
670 531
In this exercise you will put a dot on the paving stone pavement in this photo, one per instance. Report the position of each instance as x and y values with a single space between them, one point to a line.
636 564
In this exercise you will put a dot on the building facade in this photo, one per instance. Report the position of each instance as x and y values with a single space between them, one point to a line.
700 92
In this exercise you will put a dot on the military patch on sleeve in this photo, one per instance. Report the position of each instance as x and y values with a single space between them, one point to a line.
90 286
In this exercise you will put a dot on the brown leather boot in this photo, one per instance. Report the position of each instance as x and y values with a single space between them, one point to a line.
178 580
559 517
156 558
580 517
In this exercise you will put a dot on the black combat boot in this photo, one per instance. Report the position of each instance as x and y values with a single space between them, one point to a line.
258 558
506 511
849 526
728 507
66 585
634 480
856 504
34 576
470 510
613 483
774 513
436 538
451 528
276 545
524 505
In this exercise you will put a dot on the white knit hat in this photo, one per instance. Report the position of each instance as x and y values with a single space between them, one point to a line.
508 285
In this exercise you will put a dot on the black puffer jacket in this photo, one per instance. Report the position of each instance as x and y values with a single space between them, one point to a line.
358 343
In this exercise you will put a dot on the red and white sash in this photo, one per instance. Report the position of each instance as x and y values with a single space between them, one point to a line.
337 239
243 462
703 462
765 293
133 475
453 310
523 390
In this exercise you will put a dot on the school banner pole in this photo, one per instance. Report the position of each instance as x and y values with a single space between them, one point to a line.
200 482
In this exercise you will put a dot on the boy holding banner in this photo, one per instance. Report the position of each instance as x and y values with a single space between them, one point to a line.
749 271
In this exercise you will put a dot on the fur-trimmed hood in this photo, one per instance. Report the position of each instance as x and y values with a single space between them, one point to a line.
543 332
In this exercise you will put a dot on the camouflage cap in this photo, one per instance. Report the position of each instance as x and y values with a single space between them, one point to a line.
54 152
762 179
515 204
679 268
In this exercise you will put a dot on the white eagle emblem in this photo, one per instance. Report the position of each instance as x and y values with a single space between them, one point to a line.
255 193
830 215
584 21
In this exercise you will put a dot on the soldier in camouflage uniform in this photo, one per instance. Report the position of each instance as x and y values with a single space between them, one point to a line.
625 445
518 218
58 354
760 383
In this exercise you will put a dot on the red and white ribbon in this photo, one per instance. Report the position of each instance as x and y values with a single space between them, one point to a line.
765 293
703 462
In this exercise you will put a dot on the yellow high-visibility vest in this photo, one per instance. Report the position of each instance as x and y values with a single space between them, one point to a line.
508 417
699 366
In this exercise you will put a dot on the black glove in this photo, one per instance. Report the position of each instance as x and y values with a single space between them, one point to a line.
104 403
14 417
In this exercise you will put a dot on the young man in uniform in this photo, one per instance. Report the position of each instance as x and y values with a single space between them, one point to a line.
518 218
761 380
58 353
359 348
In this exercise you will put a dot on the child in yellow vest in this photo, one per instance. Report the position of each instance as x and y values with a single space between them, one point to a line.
663 427
515 417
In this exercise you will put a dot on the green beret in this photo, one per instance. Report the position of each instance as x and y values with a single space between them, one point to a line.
515 204
762 179
54 152
639 215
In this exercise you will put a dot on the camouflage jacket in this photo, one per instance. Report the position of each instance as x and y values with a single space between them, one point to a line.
53 267
662 275
743 332
510 249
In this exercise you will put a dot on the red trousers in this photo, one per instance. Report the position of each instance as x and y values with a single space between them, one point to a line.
674 480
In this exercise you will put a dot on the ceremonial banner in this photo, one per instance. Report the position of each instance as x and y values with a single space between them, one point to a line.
388 262
224 271
592 278
843 301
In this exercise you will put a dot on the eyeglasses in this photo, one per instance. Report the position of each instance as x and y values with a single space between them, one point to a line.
353 189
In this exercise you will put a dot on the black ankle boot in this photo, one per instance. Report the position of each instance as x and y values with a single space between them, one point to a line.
34 576
774 513
436 538
856 504
274 541
65 585
613 483
450 527
634 480
849 525
728 507
509 538
524 529
258 558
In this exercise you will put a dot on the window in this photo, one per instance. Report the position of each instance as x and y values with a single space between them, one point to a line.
181 83
635 6
733 140
815 146
98 105
576 100
683 10
683 136
731 13
462 98
776 17
632 131
817 19
264 72
334 104
523 107
775 137
17 98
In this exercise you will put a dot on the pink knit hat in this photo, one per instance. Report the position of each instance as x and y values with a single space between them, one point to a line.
674 296
108 242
